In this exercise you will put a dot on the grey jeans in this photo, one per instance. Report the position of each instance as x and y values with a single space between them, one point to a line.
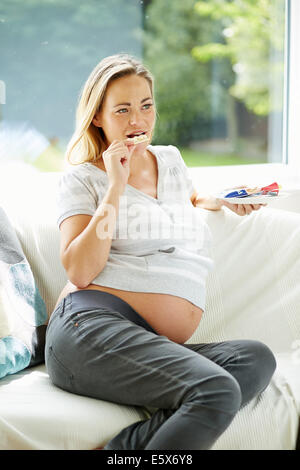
98 346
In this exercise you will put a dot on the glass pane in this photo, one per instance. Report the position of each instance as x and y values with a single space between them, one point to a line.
218 68
47 51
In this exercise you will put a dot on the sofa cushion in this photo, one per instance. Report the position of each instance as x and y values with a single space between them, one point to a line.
32 213
253 292
23 314
37 415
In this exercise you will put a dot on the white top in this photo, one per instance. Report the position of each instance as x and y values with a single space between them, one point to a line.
159 245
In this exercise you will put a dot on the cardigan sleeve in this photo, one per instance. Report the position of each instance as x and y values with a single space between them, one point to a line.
75 196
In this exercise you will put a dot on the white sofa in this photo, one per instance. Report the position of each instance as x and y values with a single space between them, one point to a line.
253 292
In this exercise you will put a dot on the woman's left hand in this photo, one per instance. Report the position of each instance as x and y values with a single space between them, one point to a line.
213 204
241 209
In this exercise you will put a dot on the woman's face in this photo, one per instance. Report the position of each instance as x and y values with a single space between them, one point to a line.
127 108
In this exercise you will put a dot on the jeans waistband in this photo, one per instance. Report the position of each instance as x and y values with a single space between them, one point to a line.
90 298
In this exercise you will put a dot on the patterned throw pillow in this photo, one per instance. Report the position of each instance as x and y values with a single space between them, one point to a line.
23 313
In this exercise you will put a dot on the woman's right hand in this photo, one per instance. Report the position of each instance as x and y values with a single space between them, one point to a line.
116 160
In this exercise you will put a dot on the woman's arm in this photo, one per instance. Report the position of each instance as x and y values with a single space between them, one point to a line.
86 240
206 202
213 204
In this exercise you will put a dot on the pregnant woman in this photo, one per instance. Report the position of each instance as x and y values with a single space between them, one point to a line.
136 252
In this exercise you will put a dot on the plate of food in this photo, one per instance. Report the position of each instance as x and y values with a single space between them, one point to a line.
255 195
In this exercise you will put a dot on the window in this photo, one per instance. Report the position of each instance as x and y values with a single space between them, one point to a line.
220 73
219 65
47 51
293 90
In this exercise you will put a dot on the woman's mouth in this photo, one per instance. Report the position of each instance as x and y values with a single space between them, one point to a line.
137 137
135 134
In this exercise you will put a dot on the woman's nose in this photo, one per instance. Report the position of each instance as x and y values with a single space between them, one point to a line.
134 118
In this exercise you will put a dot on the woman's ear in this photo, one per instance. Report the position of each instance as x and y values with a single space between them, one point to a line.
96 120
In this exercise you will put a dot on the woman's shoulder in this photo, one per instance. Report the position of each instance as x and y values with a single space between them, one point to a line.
82 176
168 154
83 171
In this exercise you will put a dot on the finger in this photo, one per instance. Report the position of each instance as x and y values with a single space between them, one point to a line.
112 147
115 143
119 155
248 209
241 210
233 207
237 208
116 150
118 144
130 148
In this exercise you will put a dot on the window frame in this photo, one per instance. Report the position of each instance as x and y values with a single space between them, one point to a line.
287 173
292 91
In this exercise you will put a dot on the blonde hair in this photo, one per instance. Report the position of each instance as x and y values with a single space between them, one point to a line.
87 142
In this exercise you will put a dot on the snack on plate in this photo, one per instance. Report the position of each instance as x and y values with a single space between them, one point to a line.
271 190
138 139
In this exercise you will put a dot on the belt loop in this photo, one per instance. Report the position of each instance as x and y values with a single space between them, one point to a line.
62 309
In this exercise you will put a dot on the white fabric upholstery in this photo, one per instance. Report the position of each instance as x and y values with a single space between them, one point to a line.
252 293
34 414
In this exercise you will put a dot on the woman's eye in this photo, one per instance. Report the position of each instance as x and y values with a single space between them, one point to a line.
125 110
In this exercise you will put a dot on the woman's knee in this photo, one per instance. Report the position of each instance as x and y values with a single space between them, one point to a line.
220 393
228 393
261 363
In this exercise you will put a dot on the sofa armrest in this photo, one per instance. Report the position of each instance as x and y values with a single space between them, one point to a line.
253 290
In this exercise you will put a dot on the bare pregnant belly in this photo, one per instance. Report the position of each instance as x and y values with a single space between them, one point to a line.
169 315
